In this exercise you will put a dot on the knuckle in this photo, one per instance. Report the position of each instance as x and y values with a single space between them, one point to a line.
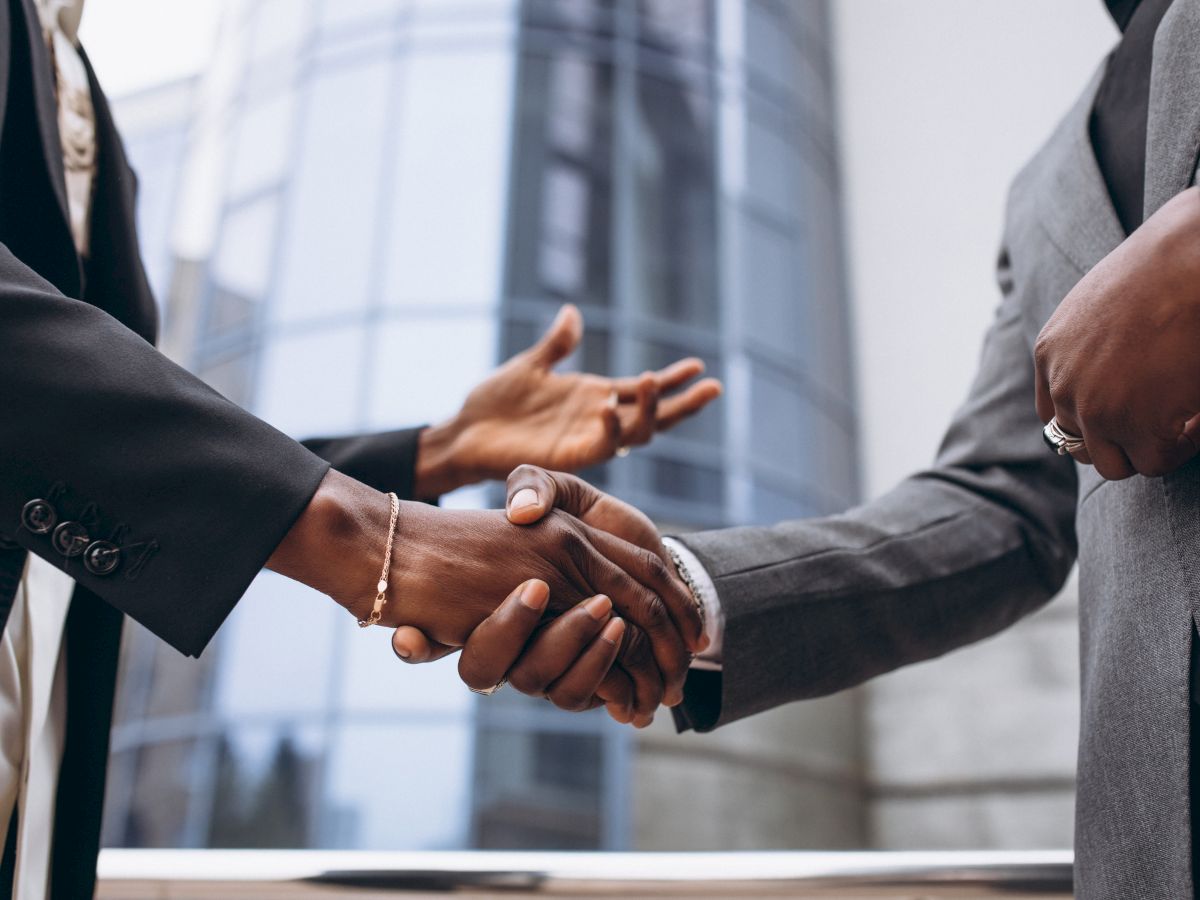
1155 465
524 474
470 672
655 567
657 618
635 651
571 542
1043 348
570 699
1112 472
1060 389
527 679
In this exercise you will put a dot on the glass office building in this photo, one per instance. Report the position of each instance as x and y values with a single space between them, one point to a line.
366 205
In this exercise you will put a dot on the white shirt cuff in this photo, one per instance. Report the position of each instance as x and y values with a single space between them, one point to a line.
714 615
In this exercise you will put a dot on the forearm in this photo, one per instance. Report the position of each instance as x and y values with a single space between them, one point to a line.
950 556
192 491
814 607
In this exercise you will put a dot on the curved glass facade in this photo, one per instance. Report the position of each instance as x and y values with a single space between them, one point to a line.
398 194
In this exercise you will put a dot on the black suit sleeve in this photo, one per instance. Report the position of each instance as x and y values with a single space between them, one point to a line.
386 461
194 491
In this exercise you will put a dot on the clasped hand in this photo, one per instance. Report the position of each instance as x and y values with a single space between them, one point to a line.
592 651
1117 362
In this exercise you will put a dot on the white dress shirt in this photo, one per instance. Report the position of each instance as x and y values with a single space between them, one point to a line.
714 615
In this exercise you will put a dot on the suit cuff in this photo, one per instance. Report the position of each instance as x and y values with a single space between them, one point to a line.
706 593
385 461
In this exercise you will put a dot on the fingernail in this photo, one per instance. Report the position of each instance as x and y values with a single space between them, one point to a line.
598 607
403 654
674 697
613 631
534 595
523 499
702 643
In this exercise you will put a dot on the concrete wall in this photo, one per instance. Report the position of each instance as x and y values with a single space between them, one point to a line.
941 103
787 779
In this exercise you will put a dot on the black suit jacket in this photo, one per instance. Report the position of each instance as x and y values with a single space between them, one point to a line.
164 499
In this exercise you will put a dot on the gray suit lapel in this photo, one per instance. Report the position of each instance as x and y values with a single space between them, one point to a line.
1173 126
1073 201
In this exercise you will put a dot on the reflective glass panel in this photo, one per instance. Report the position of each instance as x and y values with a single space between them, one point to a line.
277 650
244 258
399 785
308 382
266 140
423 368
331 225
448 161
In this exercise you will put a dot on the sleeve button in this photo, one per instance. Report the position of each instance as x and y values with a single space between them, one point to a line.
102 557
70 539
39 516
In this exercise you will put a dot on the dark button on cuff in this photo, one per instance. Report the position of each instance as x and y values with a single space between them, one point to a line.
70 539
102 558
39 516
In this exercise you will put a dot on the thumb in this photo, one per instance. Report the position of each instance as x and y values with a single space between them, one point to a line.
411 646
534 491
560 338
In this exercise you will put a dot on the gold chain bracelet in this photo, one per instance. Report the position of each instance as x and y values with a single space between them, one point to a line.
381 588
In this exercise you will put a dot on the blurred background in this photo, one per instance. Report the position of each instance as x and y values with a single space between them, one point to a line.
352 209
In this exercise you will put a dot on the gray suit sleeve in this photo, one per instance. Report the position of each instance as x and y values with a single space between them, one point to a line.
951 555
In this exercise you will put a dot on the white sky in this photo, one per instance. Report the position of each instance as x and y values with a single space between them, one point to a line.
135 44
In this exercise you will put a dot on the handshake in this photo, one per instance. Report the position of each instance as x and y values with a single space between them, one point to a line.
601 615
596 612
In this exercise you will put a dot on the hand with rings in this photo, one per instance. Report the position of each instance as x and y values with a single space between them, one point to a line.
1117 371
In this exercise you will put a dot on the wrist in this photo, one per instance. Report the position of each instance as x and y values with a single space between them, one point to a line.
336 545
438 557
441 466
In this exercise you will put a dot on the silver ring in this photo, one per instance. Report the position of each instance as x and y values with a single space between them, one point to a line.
614 399
1059 439
487 692
622 452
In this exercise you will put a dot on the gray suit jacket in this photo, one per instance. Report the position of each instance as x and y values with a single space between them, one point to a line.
990 532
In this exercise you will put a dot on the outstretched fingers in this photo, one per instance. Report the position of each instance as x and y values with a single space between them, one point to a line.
674 409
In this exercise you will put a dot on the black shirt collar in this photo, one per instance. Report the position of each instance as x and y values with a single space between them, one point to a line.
1121 11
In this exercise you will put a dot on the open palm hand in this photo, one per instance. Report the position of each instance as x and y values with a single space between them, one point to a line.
525 412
